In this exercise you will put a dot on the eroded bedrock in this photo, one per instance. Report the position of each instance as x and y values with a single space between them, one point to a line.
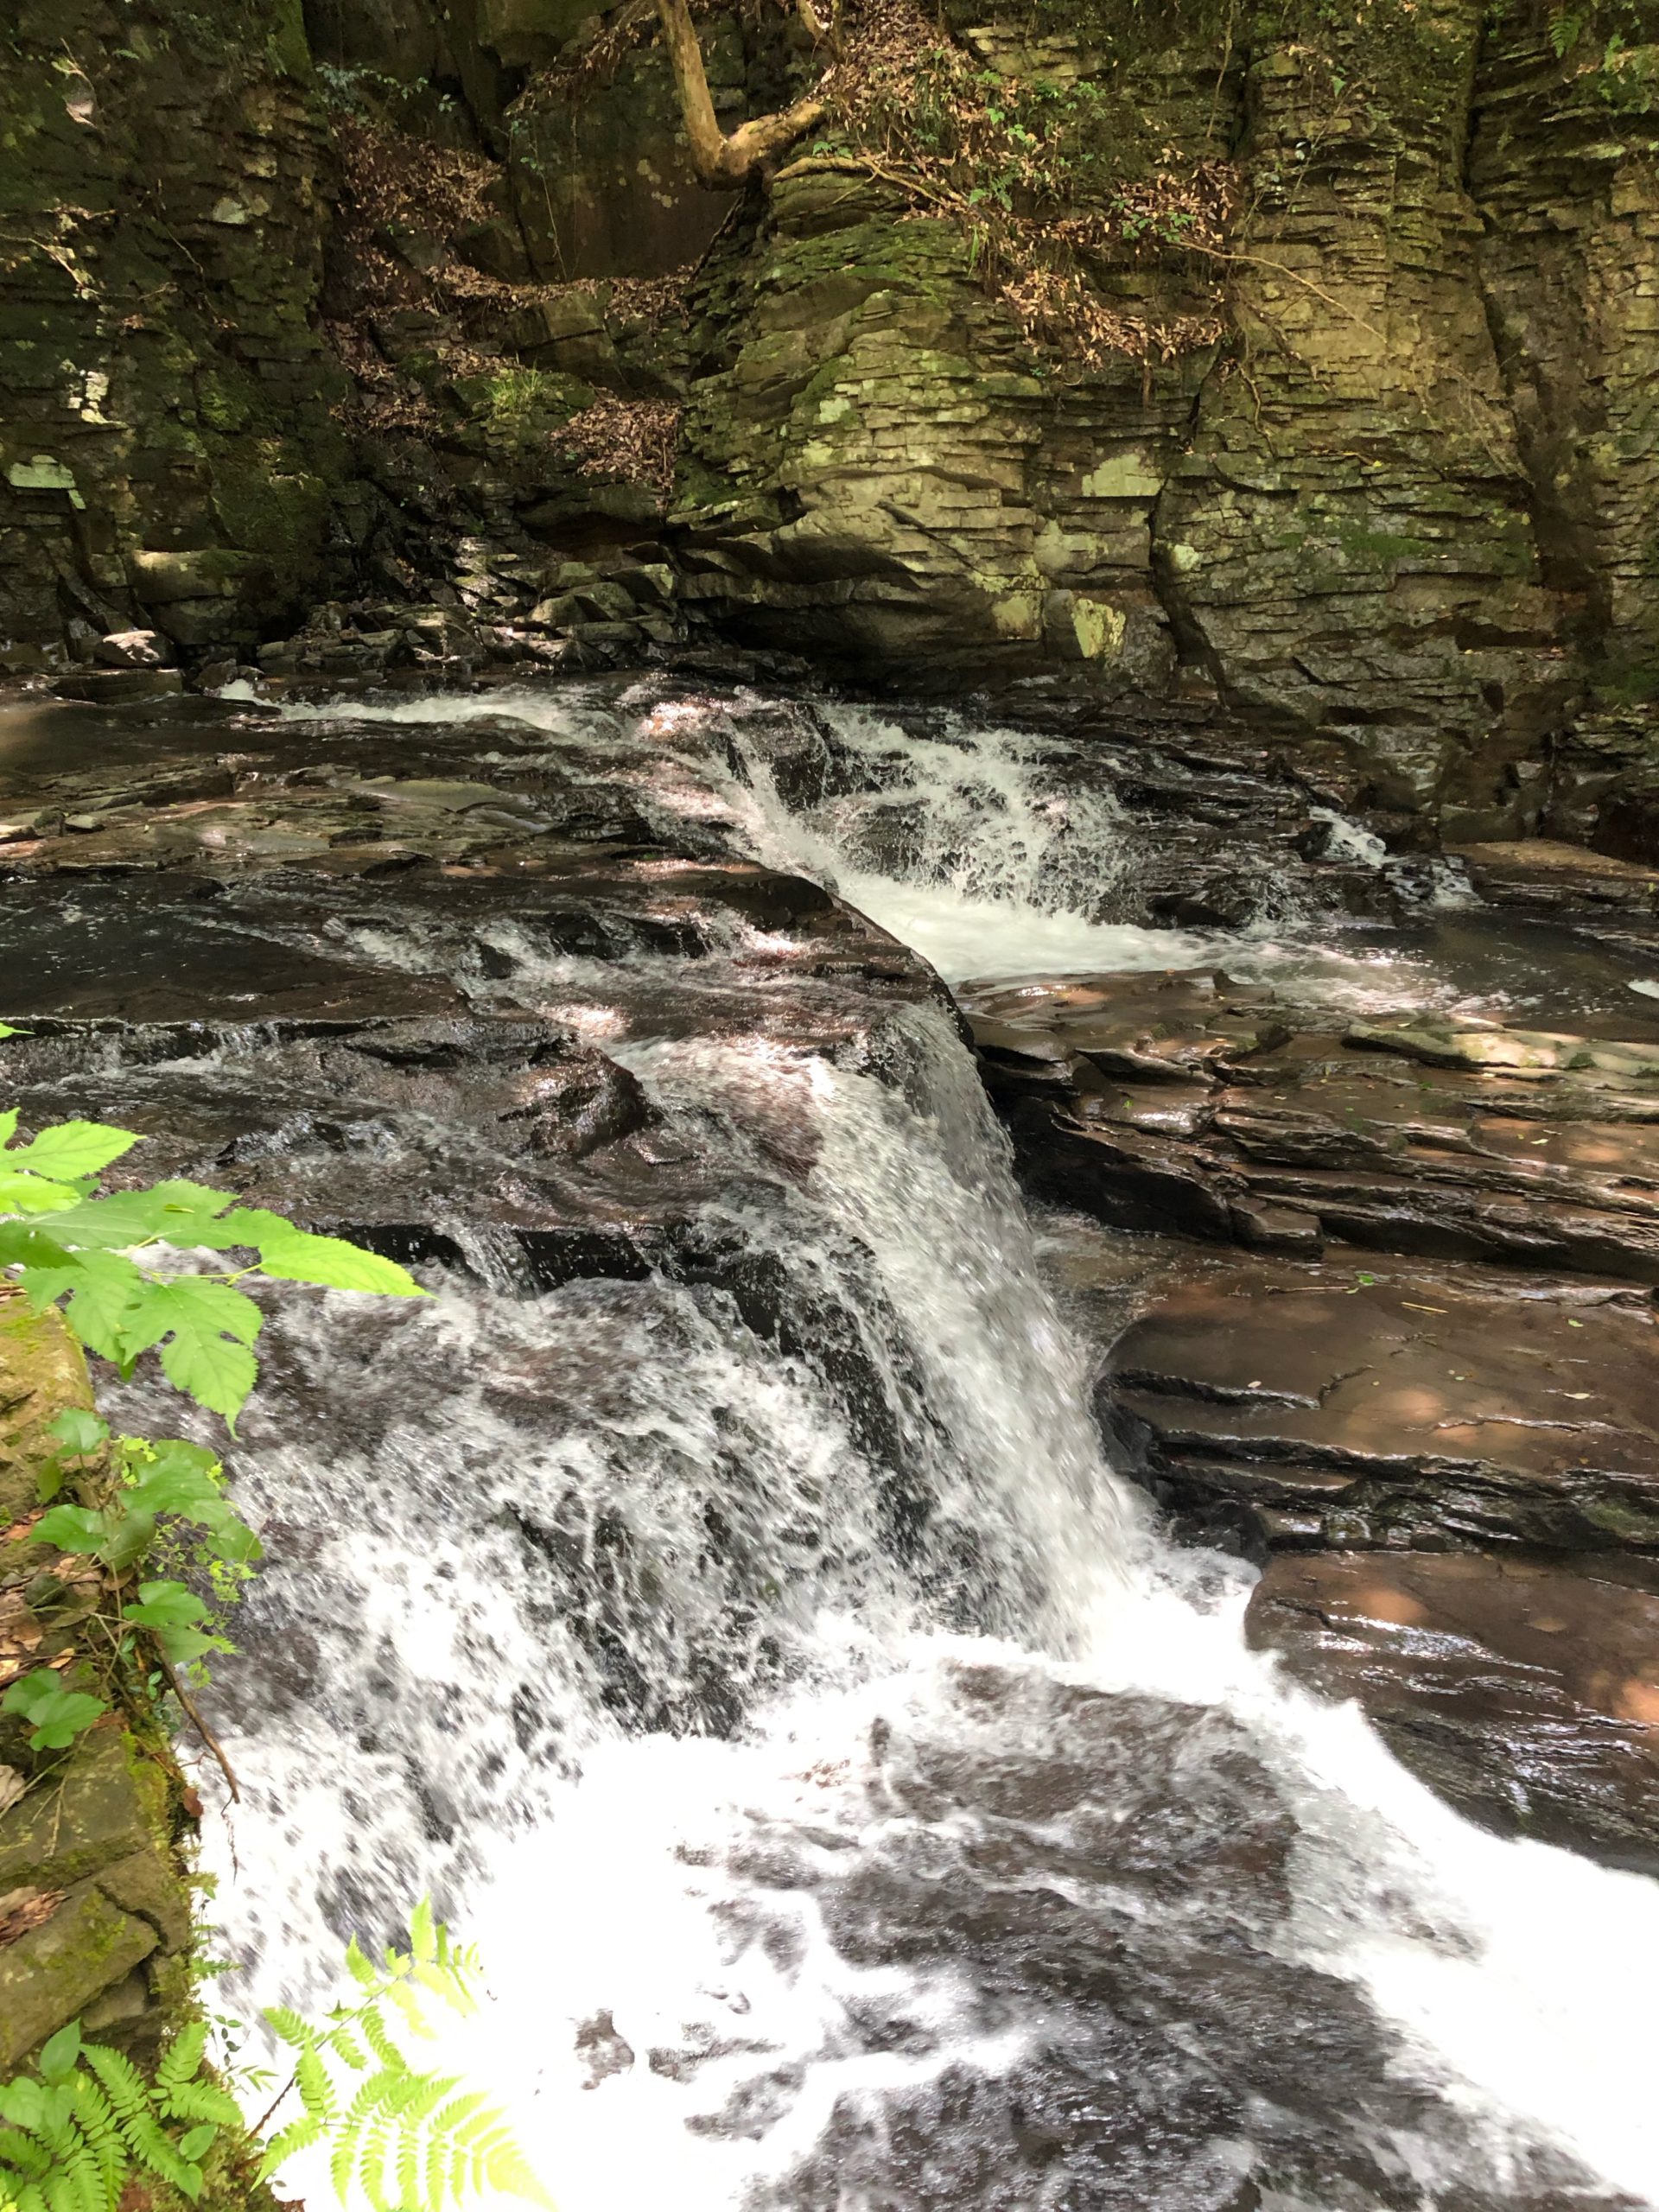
1189 1100
388 975
1450 1475
1423 1393
1359 1403
1524 1690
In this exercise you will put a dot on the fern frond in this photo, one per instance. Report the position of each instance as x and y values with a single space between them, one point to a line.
122 2082
360 1967
316 2091
80 2178
98 2124
410 2005
440 2145
182 2059
448 1986
299 2135
508 2173
203 2100
24 2152
152 2148
373 2025
290 2027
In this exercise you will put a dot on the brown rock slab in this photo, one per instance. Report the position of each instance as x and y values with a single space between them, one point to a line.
1356 1402
1187 1101
1544 871
1524 1690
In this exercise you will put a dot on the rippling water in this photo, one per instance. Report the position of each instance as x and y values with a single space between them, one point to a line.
859 1805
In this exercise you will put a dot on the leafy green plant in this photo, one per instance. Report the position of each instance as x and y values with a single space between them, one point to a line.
119 1267
55 1715
87 2125
112 1264
410 2140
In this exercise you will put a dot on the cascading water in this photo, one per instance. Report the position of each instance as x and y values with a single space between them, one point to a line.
857 1803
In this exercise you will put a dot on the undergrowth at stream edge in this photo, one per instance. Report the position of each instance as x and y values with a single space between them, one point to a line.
85 2130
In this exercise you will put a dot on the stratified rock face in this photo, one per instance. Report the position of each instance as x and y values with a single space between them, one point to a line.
94 1915
167 455
1190 1102
1349 518
1377 477
1526 1691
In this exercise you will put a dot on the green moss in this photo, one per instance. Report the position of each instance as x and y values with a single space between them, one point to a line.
1380 546
269 505
288 46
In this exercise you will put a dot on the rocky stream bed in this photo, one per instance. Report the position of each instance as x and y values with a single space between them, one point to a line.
1346 1174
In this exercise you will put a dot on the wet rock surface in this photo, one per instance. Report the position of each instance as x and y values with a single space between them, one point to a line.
369 974
1449 1469
1188 1101
1123 1873
1358 1403
1525 1690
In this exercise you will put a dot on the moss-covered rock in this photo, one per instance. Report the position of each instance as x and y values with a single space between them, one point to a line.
94 1908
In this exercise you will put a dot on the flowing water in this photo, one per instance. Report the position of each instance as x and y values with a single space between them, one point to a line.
858 1804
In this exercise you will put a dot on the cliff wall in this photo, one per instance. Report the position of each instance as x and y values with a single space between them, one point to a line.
1283 366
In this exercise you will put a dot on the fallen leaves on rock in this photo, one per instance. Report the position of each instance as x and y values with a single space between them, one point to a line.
23 1910
635 438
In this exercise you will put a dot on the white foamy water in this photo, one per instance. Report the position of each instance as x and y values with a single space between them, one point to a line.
740 1659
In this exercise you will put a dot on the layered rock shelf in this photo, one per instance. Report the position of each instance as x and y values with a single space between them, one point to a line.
1410 1366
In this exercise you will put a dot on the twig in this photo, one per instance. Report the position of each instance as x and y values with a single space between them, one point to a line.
198 1723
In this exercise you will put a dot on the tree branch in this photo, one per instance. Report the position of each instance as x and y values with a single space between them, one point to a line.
723 164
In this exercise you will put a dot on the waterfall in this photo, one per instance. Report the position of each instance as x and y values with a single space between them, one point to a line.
857 1803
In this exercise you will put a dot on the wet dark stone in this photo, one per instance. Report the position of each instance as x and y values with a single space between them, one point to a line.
1161 2045
1186 1101
1523 1689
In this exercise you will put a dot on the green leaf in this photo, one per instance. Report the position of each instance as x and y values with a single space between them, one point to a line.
59 2054
212 1370
197 2143
107 1288
6 1030
175 1212
21 1192
75 1528
165 1605
244 1228
170 1612
207 1327
334 1264
21 1245
73 1149
78 1431
56 1715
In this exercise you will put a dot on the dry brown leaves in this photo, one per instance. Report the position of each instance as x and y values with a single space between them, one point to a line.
22 1910
634 439
20 1636
896 55
1062 311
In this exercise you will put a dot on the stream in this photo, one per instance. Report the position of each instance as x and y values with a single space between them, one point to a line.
859 1805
